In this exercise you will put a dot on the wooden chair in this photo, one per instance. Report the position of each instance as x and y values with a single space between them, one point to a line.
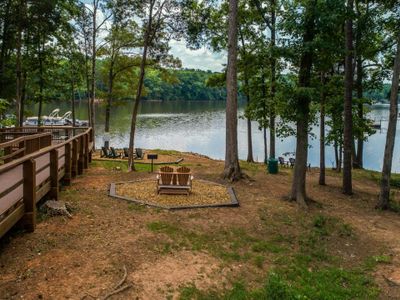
105 152
292 162
139 153
114 153
126 152
170 182
185 178
164 178
282 161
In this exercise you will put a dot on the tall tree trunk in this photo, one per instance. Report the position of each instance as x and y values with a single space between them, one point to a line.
232 168
322 135
41 84
23 96
360 110
264 122
147 40
340 158
247 92
93 71
298 192
4 46
273 81
265 144
73 103
250 157
108 107
18 76
87 75
337 160
348 97
384 195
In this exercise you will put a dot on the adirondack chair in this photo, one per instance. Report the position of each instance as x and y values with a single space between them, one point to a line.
105 152
282 161
139 153
114 153
170 182
164 179
292 162
126 152
185 178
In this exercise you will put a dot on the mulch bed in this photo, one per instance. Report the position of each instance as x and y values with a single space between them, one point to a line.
204 194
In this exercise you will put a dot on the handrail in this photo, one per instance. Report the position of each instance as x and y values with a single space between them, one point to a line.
26 180
24 138
12 164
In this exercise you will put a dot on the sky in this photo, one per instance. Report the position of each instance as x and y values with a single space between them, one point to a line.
203 59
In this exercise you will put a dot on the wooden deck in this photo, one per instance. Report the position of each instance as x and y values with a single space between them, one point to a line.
29 174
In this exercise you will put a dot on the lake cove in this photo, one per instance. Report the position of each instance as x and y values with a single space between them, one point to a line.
199 126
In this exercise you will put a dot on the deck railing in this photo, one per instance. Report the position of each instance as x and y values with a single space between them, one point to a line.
24 145
26 180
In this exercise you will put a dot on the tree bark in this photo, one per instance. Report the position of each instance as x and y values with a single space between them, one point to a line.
273 81
232 168
384 195
250 157
147 37
265 145
93 71
5 45
18 63
337 161
41 83
360 110
322 135
298 192
109 101
348 97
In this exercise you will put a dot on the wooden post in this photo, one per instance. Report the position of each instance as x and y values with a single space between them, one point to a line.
68 165
53 194
81 158
28 221
74 160
86 160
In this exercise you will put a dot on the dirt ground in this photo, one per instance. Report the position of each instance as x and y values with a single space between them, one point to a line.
164 251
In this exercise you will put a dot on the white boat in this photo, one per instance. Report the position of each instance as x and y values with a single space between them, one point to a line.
54 119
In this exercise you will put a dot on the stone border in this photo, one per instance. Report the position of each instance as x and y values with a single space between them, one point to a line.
231 191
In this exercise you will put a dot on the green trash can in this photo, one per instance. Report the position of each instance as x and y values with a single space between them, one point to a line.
273 166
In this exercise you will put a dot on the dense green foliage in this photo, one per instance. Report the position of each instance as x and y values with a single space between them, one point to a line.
185 85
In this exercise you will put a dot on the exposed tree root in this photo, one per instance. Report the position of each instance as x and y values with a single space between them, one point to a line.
390 282
118 288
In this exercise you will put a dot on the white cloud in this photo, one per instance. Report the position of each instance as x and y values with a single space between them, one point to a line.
202 59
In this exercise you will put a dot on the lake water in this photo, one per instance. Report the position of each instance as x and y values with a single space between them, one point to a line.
200 127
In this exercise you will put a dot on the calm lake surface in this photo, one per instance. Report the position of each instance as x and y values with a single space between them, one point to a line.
195 126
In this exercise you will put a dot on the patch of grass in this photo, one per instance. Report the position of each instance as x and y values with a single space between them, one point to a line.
136 207
372 261
163 227
264 246
297 282
234 244
259 261
166 152
121 166
250 167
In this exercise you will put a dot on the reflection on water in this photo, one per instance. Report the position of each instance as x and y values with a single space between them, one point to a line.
200 127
